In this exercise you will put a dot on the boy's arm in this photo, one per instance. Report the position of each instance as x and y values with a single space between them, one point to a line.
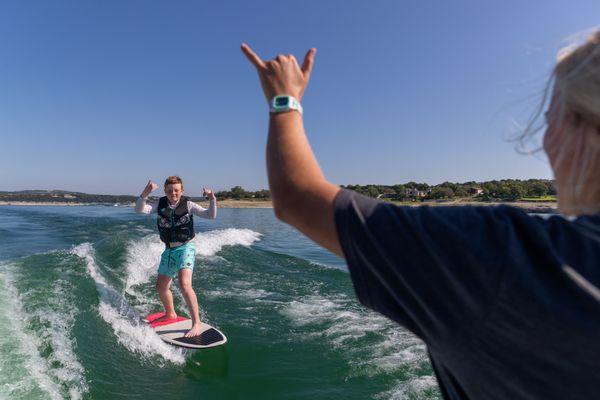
301 194
141 205
211 212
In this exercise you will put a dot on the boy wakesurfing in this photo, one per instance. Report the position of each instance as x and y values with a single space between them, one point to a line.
175 220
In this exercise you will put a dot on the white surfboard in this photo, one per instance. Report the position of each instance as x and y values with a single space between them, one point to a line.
173 331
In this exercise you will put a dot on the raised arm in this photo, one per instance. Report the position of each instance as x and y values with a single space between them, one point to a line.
210 212
302 197
141 204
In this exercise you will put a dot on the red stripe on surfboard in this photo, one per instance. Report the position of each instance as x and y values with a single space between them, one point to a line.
150 318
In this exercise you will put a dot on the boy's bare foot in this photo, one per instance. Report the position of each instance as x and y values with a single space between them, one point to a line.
165 317
195 331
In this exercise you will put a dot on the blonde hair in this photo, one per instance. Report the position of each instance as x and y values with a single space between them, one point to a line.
572 141
576 76
577 79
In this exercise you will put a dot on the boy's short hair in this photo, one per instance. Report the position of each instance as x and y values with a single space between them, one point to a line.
173 180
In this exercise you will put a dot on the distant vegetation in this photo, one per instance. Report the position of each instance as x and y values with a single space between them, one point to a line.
61 196
506 189
238 193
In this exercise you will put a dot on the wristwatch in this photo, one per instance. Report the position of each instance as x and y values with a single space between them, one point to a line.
284 103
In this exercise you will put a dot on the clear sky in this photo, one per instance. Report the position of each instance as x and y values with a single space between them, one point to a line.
100 96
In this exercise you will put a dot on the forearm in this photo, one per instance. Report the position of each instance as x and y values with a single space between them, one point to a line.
298 186
212 208
291 165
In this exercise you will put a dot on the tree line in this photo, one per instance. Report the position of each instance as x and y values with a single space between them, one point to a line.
239 193
38 196
505 189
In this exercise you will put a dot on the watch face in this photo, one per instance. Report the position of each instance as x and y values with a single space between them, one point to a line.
282 101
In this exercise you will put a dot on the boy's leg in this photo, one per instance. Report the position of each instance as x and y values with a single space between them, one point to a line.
185 285
163 287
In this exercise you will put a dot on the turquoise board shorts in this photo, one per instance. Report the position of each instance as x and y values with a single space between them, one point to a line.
172 260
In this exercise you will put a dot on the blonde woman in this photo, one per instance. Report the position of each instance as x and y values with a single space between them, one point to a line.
508 304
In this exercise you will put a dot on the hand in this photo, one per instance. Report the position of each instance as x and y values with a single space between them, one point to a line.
208 193
282 76
150 187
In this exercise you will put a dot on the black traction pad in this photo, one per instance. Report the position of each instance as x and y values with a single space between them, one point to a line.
206 338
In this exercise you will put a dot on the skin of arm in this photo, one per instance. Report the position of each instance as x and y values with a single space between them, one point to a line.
302 196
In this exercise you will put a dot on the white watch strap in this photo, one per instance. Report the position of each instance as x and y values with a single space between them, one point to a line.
292 104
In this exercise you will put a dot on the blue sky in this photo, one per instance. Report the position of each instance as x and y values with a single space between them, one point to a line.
99 97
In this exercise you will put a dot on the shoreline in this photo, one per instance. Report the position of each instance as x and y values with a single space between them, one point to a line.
205 204
527 206
536 207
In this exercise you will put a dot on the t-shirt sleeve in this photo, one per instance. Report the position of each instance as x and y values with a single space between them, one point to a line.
434 270
142 206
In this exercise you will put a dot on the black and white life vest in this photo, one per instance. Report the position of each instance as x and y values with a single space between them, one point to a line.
175 225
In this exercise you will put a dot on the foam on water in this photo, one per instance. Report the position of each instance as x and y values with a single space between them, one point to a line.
58 333
143 255
245 294
137 338
343 323
413 389
211 242
22 368
142 260
123 319
242 290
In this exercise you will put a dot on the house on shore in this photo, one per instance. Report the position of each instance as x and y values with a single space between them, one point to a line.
476 191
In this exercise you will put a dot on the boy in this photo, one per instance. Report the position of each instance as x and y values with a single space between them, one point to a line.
175 220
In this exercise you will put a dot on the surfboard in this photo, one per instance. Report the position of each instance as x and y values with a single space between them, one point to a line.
173 331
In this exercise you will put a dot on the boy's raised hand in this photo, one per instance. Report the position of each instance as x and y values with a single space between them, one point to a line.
150 187
208 193
282 75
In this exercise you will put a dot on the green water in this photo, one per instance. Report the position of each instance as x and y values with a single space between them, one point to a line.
75 283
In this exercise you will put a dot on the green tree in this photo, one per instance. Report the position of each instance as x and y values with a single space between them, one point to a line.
372 191
441 192
238 192
537 189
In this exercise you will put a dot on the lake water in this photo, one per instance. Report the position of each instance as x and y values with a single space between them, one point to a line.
75 283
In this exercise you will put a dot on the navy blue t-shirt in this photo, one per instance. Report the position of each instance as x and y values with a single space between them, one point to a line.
508 304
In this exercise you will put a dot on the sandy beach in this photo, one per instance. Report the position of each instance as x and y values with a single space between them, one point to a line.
221 204
546 207
240 204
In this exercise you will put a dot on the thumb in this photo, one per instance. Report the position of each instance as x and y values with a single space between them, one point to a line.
309 60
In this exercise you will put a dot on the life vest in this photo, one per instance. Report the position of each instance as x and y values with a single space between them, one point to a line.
175 225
